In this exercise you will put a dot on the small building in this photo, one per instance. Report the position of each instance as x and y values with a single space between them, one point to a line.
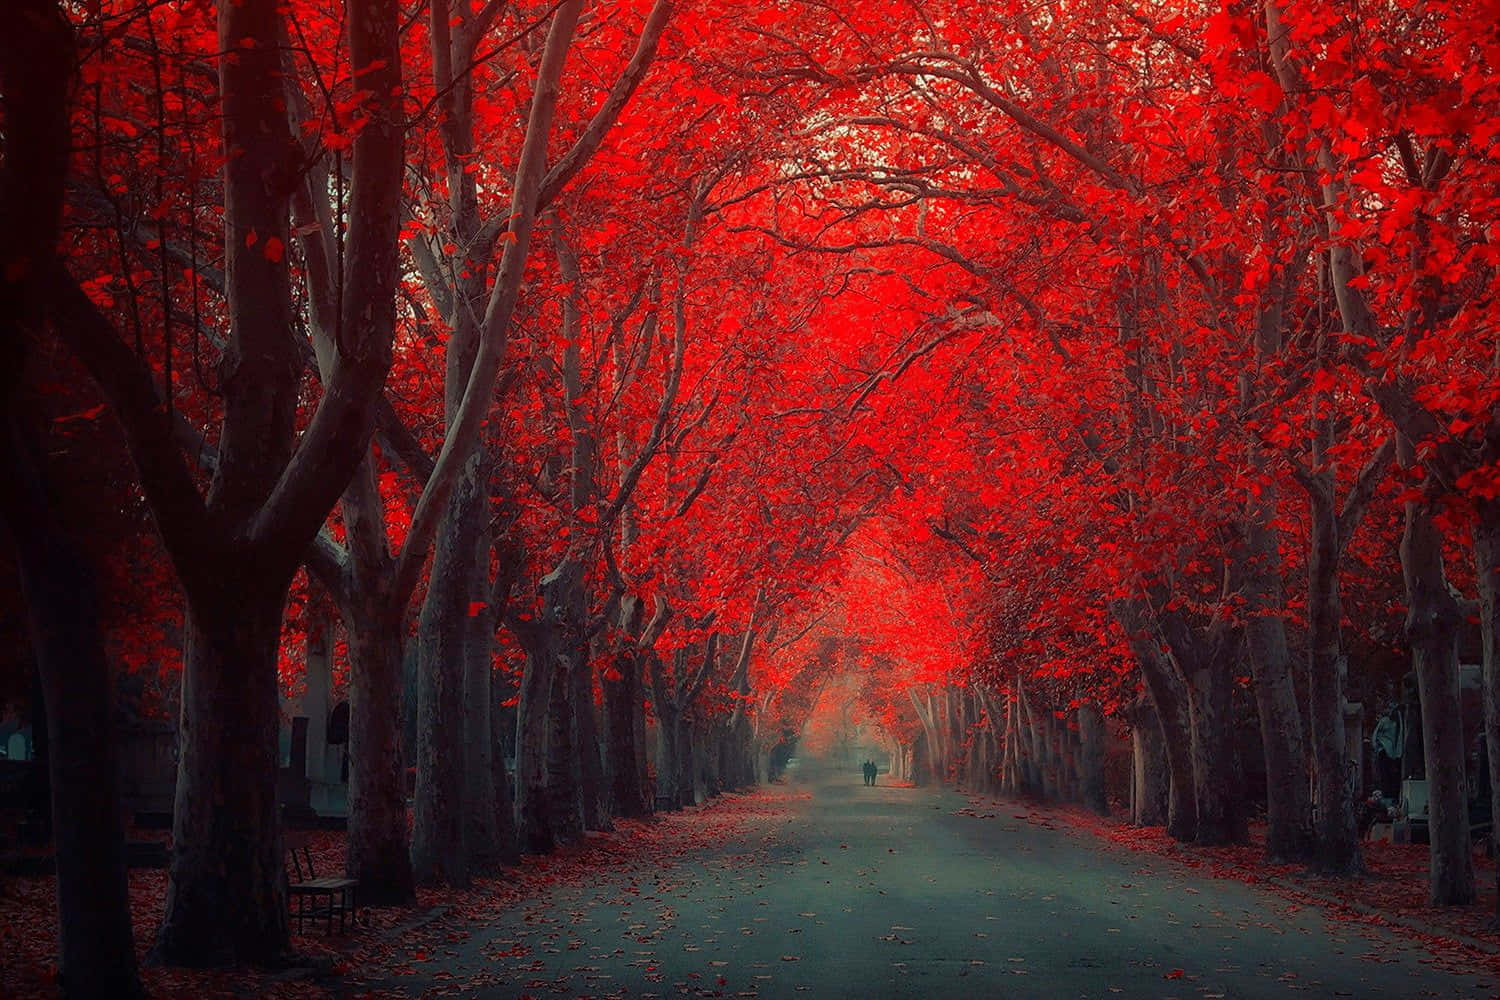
313 785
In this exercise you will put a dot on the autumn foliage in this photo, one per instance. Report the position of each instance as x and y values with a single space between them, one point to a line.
1031 375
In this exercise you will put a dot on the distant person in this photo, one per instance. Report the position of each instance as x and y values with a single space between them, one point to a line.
874 770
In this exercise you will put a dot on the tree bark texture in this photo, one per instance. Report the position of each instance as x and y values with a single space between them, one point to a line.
1336 844
96 946
1150 774
226 827
483 835
1432 622
1091 737
1288 807
379 845
439 856
1487 574
1169 701
96 954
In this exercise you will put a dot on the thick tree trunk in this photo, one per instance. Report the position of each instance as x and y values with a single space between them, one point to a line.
647 790
621 698
564 800
226 898
744 754
482 833
690 780
503 723
1216 786
1487 574
439 854
96 948
1168 697
564 612
379 852
1432 622
1091 737
1288 809
226 828
96 953
1207 667
1150 774
592 792
1336 846
1036 757
533 812
669 765
1072 769
587 742
1051 780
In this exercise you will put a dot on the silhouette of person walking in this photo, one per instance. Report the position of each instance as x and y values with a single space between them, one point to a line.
874 770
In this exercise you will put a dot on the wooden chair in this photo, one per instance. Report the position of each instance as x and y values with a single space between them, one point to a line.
317 897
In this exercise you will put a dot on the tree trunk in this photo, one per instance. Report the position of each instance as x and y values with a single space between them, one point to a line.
668 757
439 855
1432 622
621 697
1150 774
647 788
1045 762
379 852
1336 845
503 721
694 789
1072 770
1091 737
564 802
482 834
1288 809
1487 574
96 952
1035 745
586 735
1168 697
226 828
564 612
533 813
95 944
1216 791
1207 668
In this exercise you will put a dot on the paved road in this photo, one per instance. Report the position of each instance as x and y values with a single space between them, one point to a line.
890 892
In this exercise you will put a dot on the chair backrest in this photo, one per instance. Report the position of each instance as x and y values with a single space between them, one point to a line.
302 868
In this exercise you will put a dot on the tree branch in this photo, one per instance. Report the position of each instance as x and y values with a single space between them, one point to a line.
609 112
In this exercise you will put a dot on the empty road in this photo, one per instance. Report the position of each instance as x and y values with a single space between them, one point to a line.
890 892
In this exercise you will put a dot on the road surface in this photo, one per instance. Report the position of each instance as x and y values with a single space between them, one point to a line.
891 892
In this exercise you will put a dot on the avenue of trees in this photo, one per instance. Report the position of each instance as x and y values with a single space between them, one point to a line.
628 371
